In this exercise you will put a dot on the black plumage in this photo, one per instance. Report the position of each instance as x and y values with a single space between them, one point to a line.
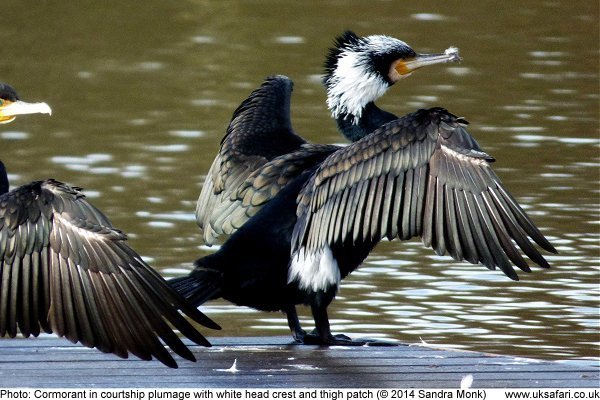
320 210
7 92
244 175
65 269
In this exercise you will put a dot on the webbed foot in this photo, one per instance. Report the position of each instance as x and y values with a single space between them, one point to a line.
314 338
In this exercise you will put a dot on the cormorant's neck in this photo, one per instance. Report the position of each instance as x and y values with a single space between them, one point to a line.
372 117
3 179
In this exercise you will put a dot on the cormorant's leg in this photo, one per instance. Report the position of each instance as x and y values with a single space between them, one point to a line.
294 323
322 333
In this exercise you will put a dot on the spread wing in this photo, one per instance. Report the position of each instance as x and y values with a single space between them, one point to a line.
259 131
65 269
265 183
421 175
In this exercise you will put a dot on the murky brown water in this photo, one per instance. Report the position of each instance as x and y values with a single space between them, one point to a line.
142 95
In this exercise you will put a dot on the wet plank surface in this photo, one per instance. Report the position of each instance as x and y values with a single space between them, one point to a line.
273 362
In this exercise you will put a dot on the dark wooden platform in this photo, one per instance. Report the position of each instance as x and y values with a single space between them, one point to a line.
272 362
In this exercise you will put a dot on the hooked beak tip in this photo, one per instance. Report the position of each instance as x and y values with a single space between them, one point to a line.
407 66
453 54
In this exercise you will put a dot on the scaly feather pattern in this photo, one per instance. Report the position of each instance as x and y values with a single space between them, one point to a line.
421 175
260 130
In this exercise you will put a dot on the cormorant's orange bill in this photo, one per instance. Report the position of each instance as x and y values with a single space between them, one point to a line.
404 67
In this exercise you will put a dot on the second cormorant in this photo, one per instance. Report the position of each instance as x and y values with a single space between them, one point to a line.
65 269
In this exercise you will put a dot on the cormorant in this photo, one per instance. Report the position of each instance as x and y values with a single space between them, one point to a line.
304 215
65 269
260 151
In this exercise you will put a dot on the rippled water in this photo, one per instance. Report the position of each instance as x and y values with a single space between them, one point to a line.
142 95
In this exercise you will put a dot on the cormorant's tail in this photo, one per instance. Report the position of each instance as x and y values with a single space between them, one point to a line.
201 285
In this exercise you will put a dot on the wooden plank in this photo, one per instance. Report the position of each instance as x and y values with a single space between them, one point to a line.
273 362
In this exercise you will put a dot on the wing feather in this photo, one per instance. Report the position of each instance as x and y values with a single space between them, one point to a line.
83 315
368 218
24 313
55 313
516 231
260 130
440 247
102 340
503 234
361 205
65 269
478 235
406 205
454 246
499 257
421 175
396 207
379 192
14 301
334 208
471 253
387 198
349 215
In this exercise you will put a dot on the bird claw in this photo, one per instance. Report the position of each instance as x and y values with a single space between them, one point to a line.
314 338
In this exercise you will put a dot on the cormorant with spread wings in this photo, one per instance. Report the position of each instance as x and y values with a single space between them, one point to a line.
304 216
65 269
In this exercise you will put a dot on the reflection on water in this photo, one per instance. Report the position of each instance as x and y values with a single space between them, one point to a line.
142 96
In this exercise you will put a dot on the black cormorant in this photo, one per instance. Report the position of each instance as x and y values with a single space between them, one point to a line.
314 212
260 151
65 269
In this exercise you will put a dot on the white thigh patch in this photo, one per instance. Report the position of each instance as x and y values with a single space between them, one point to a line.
314 271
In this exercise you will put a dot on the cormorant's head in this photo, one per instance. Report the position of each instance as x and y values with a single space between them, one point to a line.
11 105
358 70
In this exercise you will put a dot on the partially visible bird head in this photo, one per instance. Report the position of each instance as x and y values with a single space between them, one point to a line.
358 70
11 105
